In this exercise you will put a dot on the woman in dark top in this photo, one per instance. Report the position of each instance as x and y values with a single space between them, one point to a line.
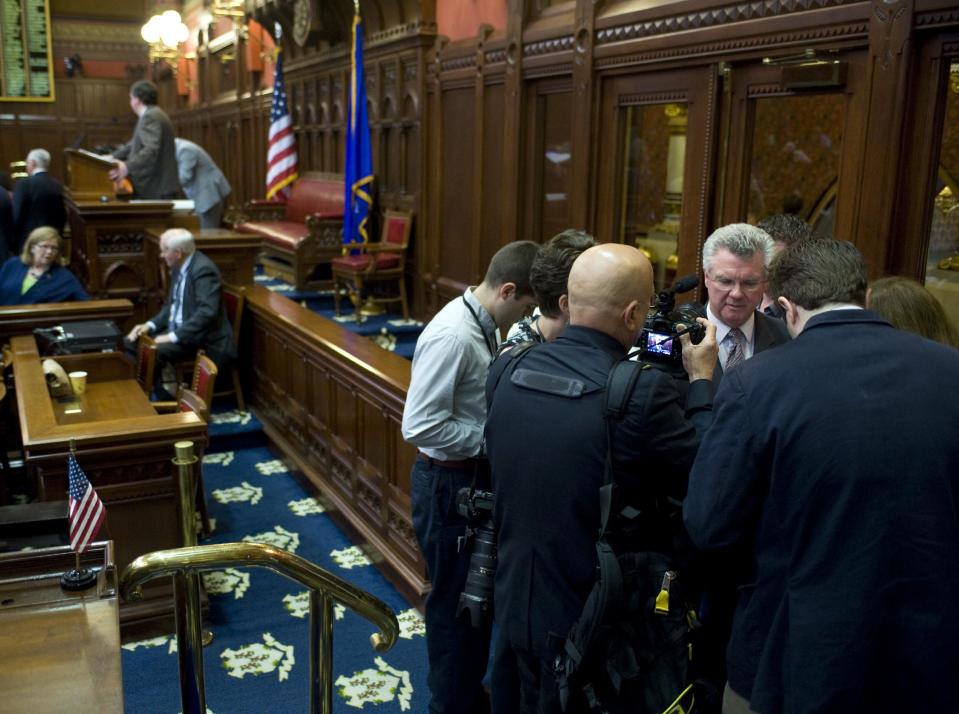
37 276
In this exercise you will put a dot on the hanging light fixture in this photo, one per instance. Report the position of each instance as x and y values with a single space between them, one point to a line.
164 33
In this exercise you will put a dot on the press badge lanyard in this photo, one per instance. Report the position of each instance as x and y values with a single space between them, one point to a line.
490 344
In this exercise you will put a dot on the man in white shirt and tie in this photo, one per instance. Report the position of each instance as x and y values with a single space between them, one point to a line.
735 262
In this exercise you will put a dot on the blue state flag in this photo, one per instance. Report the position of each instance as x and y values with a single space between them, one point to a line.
359 160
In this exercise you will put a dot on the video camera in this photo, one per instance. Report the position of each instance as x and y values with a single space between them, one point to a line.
658 343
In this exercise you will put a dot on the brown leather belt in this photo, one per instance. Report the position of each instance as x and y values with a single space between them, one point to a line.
458 464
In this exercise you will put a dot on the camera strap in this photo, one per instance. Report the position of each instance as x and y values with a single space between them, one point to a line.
620 385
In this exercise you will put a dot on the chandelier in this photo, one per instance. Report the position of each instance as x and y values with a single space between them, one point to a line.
164 33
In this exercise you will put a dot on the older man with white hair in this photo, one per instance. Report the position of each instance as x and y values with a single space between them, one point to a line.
736 260
37 199
192 316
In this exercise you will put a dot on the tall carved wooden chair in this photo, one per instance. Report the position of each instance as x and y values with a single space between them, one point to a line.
383 262
233 301
146 362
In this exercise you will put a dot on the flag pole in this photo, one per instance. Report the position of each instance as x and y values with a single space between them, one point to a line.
73 453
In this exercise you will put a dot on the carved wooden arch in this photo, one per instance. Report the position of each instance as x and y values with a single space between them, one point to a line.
411 105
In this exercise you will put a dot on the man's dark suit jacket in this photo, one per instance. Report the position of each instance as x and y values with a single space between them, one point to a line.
37 201
8 231
768 332
151 156
837 455
547 455
204 321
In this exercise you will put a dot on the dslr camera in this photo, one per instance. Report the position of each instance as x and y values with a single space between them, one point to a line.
658 343
477 597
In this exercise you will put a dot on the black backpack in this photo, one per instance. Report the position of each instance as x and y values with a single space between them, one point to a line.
630 649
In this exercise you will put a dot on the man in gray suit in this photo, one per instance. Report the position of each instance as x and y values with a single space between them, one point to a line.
736 259
203 182
149 159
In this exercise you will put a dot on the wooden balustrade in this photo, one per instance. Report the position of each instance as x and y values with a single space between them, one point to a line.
332 401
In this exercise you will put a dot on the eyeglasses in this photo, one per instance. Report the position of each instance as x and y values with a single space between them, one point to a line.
47 246
744 285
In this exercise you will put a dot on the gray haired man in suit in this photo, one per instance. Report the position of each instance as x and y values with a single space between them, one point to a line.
203 182
192 317
736 260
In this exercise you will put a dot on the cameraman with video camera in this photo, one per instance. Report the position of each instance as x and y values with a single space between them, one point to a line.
547 445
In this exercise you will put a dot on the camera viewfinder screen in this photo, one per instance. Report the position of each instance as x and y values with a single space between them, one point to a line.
659 343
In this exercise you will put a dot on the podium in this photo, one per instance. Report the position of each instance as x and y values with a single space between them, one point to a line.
87 176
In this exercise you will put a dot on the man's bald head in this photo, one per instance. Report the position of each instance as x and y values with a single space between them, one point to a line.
609 290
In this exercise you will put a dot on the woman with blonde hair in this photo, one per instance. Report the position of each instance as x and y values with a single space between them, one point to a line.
910 306
37 274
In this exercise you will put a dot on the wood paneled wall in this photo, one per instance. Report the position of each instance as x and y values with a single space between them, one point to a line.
90 111
560 76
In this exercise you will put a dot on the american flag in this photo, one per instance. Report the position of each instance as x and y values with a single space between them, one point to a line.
281 154
86 508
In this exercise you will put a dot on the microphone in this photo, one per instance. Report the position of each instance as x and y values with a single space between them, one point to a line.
83 134
684 284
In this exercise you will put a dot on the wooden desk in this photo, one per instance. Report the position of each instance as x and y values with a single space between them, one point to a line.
233 253
105 401
22 319
123 446
60 651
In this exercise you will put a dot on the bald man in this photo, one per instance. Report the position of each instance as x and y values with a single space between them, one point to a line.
546 440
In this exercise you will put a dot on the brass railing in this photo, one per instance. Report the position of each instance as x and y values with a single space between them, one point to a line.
186 564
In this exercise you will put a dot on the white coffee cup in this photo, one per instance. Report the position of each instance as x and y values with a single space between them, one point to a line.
78 380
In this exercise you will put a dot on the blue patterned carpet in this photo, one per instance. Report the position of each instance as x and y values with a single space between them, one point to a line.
259 659
390 331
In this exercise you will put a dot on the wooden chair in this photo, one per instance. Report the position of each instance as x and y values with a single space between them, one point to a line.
233 301
198 375
146 362
204 377
382 262
187 400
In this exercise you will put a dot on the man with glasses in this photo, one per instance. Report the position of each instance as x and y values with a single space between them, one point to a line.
735 261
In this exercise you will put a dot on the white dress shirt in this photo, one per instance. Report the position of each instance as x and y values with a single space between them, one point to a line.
445 410
176 308
748 329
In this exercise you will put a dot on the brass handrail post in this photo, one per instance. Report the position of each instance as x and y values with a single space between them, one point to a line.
186 584
325 589
321 653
